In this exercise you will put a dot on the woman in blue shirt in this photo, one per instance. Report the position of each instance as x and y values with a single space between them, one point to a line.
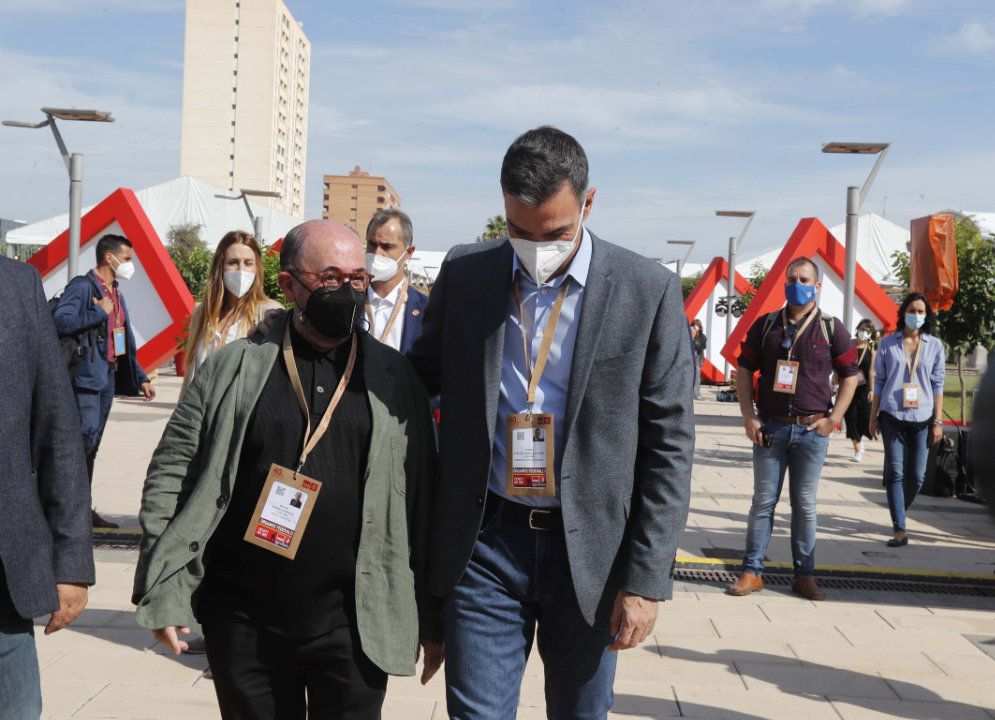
908 403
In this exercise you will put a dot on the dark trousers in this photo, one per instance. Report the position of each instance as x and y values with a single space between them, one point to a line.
94 407
262 675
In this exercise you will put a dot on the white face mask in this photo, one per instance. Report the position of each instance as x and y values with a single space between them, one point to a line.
124 270
863 335
239 282
543 258
381 267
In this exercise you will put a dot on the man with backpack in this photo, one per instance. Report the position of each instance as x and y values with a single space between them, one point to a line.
93 313
795 350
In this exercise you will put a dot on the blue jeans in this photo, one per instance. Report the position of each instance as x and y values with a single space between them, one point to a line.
94 407
517 579
20 681
801 454
906 448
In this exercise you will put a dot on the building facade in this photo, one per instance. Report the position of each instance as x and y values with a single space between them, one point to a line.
246 72
353 199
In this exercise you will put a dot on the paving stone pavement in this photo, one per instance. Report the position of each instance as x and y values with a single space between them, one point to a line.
858 655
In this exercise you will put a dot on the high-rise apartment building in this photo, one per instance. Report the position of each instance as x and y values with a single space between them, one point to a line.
352 199
246 69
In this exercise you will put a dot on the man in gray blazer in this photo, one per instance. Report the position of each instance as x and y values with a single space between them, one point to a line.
569 534
46 560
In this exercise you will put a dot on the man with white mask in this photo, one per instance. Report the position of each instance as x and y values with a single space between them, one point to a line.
566 439
393 307
92 310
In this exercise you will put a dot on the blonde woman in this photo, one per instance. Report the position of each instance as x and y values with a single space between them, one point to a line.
233 300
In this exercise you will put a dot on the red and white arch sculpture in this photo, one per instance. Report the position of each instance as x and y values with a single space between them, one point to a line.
701 304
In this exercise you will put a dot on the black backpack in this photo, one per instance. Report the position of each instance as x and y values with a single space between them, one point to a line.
74 347
946 467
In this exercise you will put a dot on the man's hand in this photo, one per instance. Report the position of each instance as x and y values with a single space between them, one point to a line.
104 304
264 325
824 427
936 434
148 391
873 428
435 653
169 637
72 600
632 620
754 428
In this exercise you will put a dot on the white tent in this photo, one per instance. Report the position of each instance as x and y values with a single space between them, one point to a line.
877 239
424 266
180 201
690 269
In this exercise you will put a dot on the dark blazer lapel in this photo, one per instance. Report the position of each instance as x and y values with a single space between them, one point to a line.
494 314
594 312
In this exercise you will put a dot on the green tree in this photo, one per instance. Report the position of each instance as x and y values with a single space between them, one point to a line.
971 320
900 265
758 273
184 237
496 227
271 269
688 283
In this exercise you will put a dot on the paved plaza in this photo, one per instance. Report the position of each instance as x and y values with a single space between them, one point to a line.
871 650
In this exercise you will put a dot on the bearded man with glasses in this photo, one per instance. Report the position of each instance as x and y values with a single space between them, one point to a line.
286 507
795 349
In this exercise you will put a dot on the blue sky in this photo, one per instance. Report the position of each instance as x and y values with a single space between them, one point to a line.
683 107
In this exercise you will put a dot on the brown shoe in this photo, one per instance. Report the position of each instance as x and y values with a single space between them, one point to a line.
807 588
99 522
747 583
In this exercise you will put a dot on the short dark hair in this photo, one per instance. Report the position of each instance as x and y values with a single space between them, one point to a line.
539 162
803 261
382 217
111 244
290 250
930 326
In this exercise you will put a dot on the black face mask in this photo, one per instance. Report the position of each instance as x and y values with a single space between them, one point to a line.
335 313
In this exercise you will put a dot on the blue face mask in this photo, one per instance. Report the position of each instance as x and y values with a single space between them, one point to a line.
914 321
799 295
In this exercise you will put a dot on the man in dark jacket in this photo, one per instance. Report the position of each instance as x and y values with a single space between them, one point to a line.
92 308
46 561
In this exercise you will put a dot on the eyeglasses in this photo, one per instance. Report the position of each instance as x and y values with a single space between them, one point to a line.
789 335
335 279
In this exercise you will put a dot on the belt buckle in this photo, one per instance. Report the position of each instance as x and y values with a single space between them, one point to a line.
532 513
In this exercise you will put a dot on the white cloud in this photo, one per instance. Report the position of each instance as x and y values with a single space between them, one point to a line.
857 8
973 38
19 8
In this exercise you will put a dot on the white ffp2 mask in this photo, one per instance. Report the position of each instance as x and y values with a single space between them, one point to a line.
239 282
381 267
543 258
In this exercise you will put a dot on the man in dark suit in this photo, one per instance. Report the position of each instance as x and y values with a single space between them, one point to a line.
92 308
572 539
46 560
393 308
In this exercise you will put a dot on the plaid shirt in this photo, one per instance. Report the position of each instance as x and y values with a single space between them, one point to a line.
817 360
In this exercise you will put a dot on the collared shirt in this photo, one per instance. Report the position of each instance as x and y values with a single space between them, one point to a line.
381 309
551 394
115 318
817 359
891 372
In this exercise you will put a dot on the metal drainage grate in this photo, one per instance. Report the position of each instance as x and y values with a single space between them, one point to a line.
953 587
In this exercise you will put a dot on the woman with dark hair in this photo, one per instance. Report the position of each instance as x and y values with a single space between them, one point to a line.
858 415
233 300
908 403
698 344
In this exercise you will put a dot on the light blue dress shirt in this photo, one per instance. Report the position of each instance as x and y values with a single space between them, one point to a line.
551 394
891 372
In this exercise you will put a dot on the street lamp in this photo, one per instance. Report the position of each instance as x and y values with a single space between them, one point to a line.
74 164
680 263
731 280
854 201
244 195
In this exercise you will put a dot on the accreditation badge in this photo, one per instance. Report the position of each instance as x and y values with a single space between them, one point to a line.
530 455
283 511
786 377
120 342
910 395
861 379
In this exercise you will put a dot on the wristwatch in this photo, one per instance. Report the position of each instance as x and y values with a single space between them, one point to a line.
937 423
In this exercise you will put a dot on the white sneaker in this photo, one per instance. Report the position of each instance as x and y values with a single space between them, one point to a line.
858 456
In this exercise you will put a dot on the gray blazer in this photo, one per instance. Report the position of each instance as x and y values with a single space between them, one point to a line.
44 491
626 467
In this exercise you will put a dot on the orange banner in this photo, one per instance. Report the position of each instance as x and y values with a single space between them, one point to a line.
933 260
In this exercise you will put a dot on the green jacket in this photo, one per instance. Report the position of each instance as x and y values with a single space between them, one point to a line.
192 471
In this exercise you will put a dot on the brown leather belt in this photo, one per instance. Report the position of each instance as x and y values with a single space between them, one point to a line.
798 419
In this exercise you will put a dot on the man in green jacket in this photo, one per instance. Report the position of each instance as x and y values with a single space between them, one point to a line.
286 508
